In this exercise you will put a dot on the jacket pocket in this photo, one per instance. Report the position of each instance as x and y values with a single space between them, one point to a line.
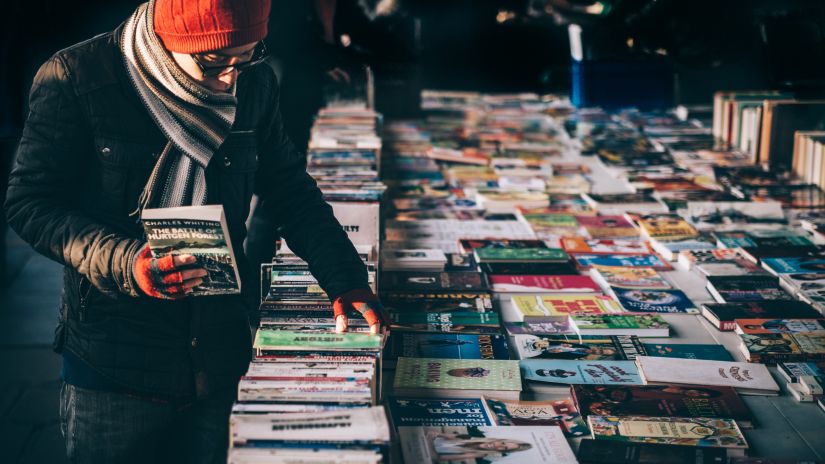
237 162
124 170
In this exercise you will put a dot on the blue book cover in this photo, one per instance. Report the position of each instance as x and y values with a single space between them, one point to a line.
796 265
438 412
601 372
654 261
654 301
688 351
448 346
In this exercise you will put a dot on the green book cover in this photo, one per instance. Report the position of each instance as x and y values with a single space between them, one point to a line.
521 254
451 318
293 340
552 220
619 322
457 374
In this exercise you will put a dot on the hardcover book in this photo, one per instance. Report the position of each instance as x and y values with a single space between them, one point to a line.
723 315
542 284
447 345
478 445
200 231
684 431
438 412
456 378
560 413
746 378
688 351
585 261
584 348
581 372
661 401
654 301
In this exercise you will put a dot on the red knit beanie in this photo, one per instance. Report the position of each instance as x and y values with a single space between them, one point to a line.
196 26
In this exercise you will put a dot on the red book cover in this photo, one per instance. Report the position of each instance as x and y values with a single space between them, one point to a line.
543 283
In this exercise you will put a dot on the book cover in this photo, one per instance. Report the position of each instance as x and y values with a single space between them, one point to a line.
585 348
654 301
291 340
551 255
731 289
438 412
574 372
542 283
457 374
770 347
745 377
433 281
723 315
629 277
552 306
604 246
684 431
468 245
661 401
479 445
654 261
607 226
363 425
616 452
559 413
668 226
448 346
558 327
200 231
765 326
795 265
792 371
688 351
453 322
642 325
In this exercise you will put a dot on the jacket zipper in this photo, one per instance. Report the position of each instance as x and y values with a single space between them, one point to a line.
83 297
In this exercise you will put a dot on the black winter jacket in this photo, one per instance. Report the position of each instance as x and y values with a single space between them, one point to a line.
86 152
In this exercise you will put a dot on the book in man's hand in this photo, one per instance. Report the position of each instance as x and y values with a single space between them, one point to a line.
200 231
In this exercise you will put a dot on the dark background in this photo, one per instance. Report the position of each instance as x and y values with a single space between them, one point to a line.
486 45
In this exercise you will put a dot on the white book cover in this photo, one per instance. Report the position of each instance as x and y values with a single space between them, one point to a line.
747 378
302 456
471 445
361 425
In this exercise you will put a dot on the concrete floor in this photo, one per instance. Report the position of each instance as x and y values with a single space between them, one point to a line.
29 369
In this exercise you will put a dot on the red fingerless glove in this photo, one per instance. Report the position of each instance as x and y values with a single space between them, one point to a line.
362 300
157 277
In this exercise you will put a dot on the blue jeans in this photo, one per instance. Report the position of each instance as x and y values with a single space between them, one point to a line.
109 427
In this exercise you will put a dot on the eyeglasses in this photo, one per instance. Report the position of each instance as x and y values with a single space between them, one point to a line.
259 55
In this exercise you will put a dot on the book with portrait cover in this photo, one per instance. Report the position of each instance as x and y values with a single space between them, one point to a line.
456 378
438 412
560 413
574 347
200 231
446 345
480 445
574 372
683 431
654 301
661 401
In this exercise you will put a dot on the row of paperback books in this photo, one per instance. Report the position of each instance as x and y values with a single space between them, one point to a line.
536 259
311 395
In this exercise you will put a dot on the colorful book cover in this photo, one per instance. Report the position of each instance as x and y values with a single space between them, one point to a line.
581 372
669 226
458 374
730 289
733 239
604 246
542 283
584 348
448 346
631 322
630 277
551 220
695 431
811 343
654 301
289 340
559 413
521 254
726 313
796 265
792 371
661 401
649 260
454 322
438 412
607 226
763 326
688 351
480 445
468 245
538 306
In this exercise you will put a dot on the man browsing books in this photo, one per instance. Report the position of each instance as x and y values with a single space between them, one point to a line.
170 109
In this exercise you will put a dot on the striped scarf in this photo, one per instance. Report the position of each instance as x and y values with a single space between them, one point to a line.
193 118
